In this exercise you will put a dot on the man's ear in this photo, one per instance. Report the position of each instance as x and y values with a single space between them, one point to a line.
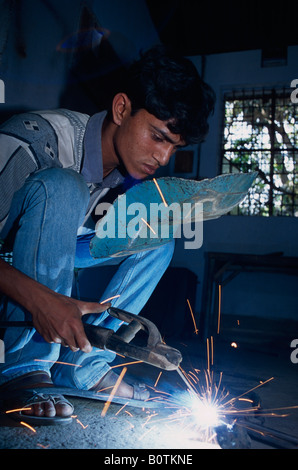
121 107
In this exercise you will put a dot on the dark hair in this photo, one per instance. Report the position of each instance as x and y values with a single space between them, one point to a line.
169 87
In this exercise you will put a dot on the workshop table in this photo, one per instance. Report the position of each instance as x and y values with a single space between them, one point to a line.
221 268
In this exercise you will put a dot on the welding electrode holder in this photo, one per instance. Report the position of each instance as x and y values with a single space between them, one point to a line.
155 352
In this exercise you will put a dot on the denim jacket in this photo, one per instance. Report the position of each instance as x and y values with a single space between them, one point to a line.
34 141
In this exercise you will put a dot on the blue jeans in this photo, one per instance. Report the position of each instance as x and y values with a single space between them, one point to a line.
43 222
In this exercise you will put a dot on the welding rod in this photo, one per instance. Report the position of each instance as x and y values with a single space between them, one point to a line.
182 376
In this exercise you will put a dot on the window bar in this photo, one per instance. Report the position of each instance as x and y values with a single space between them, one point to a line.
272 151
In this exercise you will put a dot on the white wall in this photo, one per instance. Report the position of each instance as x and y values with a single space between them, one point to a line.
267 295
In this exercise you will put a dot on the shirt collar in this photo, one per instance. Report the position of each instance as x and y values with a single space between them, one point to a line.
92 169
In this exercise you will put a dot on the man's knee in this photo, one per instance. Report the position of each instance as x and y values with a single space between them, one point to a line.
163 254
167 250
62 184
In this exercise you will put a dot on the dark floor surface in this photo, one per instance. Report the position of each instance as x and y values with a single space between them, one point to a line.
253 374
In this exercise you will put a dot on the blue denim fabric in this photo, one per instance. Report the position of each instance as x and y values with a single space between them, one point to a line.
48 210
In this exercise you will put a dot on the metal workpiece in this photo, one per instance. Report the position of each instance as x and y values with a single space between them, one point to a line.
202 200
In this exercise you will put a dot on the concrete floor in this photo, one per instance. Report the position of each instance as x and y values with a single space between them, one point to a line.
243 371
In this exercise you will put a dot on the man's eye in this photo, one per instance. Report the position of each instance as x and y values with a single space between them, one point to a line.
157 138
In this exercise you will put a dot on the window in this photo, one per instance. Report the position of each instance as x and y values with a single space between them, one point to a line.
261 134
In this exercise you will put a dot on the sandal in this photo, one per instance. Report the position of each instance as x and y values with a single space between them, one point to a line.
25 391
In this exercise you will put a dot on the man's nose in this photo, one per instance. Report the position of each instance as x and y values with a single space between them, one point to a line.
163 155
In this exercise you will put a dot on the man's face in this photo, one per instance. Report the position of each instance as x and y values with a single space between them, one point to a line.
143 143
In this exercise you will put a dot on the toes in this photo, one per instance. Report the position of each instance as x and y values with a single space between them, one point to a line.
63 409
36 410
49 409
28 410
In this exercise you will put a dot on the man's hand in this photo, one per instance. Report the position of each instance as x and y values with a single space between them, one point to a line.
56 317
59 321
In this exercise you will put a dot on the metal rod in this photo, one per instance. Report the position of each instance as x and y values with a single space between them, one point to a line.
187 383
270 436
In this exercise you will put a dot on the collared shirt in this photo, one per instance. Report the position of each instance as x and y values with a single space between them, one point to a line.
92 167
53 138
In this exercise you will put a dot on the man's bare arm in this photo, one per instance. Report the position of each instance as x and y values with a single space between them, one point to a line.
56 317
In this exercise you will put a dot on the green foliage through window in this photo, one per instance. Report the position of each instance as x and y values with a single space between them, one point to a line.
261 134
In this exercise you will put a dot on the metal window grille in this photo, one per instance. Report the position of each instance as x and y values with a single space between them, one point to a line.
260 133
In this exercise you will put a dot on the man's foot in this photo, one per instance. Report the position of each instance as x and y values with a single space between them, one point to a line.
54 406
124 390
25 394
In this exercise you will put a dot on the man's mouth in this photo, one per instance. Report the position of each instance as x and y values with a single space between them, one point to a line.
149 169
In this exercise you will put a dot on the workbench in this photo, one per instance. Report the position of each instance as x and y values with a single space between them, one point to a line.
221 268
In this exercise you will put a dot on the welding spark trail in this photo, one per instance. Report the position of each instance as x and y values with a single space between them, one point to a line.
157 379
28 426
113 392
84 426
208 355
126 364
192 316
58 362
17 409
159 190
219 308
148 225
110 298
248 391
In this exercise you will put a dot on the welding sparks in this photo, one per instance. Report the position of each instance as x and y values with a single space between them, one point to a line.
16 410
205 413
122 407
148 225
156 382
159 190
193 416
202 413
126 364
205 407
113 392
43 446
192 316
110 298
28 426
58 362
208 355
81 424
219 308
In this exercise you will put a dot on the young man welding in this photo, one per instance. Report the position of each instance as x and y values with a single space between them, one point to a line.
55 167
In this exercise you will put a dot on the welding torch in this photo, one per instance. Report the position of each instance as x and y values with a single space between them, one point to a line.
155 353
